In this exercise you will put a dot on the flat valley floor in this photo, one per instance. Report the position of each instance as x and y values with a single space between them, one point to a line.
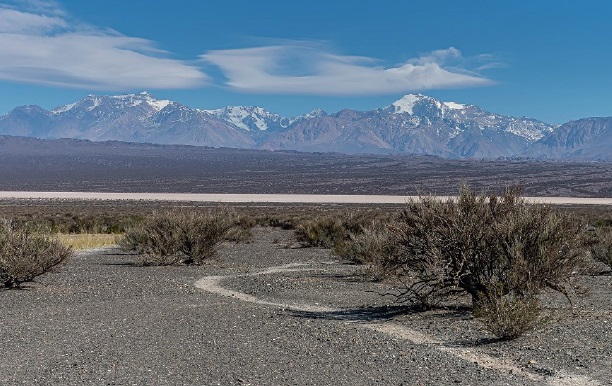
263 313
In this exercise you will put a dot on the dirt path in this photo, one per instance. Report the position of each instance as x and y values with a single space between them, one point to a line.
213 284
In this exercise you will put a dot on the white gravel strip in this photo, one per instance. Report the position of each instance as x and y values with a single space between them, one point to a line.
270 198
212 284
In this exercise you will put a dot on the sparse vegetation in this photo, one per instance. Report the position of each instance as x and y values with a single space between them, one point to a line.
510 316
26 253
80 241
601 245
498 249
370 245
335 229
183 238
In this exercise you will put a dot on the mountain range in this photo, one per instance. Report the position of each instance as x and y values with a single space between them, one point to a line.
414 124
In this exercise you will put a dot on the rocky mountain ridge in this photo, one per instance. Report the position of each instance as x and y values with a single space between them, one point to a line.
414 124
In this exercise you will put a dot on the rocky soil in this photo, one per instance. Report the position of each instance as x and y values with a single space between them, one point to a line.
265 314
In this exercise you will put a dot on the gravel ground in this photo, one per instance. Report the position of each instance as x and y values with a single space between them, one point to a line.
101 320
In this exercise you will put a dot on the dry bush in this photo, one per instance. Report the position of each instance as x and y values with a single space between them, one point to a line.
370 246
241 230
283 221
182 238
601 246
335 229
476 243
509 317
26 253
323 231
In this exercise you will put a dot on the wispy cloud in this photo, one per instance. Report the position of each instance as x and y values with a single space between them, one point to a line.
40 45
302 68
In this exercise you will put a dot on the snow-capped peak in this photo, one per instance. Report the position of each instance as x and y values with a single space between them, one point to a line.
315 113
91 102
248 117
63 109
144 97
406 103
454 106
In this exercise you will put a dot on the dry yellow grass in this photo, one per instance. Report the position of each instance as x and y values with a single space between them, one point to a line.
87 241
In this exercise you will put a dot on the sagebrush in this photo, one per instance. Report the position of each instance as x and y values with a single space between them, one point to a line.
476 243
601 245
510 316
334 229
179 237
500 250
27 252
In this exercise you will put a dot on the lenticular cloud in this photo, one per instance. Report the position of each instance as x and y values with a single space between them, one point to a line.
44 49
302 69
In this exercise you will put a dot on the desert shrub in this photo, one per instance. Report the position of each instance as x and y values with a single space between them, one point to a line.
335 229
601 245
510 316
476 243
26 253
241 229
285 222
371 246
79 223
323 231
182 238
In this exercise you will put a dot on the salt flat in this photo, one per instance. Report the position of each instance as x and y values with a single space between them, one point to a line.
269 198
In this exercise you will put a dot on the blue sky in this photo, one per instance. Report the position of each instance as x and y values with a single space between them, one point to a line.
550 60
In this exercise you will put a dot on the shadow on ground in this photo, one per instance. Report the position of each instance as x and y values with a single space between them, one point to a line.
369 314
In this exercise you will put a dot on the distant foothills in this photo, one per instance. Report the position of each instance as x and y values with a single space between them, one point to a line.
415 124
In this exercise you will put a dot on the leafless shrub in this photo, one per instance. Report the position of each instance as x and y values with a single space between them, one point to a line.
26 253
510 316
322 231
601 245
370 246
332 230
181 238
482 242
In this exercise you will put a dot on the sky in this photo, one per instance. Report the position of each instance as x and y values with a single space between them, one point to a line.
548 60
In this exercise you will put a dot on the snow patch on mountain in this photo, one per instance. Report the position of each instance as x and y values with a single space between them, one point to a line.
249 118
316 113
95 102
454 106
63 109
406 103
158 105
133 100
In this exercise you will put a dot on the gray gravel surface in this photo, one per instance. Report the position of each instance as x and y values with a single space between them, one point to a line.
100 320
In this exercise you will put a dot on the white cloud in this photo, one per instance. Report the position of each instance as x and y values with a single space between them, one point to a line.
306 69
39 46
12 21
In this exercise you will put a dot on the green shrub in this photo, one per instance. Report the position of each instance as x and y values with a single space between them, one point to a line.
26 253
183 238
